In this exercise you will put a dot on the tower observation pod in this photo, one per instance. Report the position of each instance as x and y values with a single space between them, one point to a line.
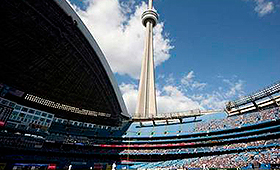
146 104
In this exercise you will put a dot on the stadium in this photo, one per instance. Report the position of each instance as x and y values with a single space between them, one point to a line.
61 107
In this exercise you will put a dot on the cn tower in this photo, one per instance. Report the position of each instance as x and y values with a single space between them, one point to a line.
146 104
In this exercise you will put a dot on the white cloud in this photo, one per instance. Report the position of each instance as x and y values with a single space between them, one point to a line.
213 101
130 93
172 98
188 81
236 88
187 78
169 99
217 99
263 7
198 85
170 79
120 34
161 76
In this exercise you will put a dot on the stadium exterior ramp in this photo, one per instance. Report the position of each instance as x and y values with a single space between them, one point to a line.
51 62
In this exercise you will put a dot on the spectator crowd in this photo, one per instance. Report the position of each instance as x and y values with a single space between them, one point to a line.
238 120
234 146
253 159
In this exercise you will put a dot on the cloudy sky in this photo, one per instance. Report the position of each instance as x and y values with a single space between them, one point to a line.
206 52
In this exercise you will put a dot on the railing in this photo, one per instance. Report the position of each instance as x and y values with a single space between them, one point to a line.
177 115
266 92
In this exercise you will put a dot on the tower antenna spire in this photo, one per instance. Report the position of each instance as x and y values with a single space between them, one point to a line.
146 104
150 5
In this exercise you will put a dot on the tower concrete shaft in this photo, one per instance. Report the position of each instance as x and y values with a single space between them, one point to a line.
146 104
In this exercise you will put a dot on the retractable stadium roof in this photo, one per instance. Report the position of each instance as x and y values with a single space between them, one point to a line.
49 54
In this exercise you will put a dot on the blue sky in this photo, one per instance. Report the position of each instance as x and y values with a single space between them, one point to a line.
206 52
224 38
